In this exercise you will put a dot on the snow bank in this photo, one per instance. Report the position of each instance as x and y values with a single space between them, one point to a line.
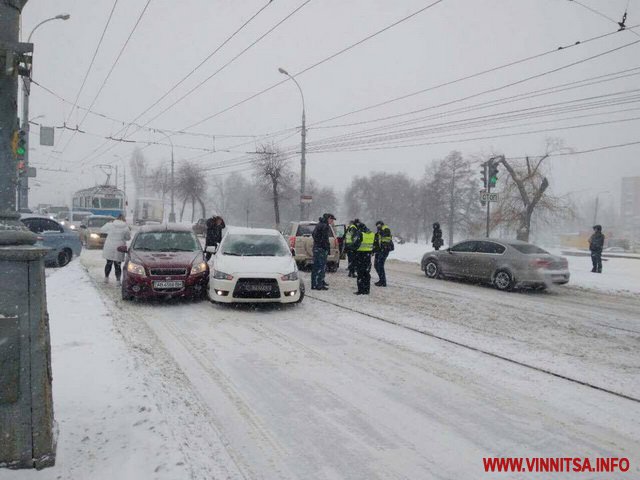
620 275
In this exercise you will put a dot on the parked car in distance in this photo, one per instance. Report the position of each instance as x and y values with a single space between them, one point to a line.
73 220
90 231
254 266
63 243
504 263
164 261
301 241
200 227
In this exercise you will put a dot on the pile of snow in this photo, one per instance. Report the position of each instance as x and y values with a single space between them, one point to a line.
620 275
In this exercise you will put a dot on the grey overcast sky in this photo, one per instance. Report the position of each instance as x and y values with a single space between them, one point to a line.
453 39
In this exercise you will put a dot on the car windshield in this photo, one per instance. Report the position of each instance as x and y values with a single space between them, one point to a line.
99 222
255 246
528 249
166 242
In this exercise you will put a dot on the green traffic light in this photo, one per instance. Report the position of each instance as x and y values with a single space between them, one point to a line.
20 150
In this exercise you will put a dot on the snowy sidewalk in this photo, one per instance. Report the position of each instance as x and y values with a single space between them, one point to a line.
109 418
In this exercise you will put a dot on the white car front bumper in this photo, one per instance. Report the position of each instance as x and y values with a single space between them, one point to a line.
254 288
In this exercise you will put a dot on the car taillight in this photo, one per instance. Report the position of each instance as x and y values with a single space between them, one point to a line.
292 242
540 263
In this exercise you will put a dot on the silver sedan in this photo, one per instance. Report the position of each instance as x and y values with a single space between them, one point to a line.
504 263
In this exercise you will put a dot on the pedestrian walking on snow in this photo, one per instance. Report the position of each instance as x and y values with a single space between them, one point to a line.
596 244
118 233
436 238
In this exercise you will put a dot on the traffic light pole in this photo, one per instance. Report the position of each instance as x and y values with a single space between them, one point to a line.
23 180
486 172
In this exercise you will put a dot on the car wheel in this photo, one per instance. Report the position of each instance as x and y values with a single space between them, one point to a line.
64 257
302 290
432 269
503 280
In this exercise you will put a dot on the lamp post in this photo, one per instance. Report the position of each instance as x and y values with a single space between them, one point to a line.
23 185
172 214
303 148
595 213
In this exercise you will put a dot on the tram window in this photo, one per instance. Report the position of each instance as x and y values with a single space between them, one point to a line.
110 203
95 203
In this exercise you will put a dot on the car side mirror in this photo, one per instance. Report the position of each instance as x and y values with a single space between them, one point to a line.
211 249
123 249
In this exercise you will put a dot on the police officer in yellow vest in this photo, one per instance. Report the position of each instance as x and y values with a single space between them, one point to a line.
363 240
348 246
382 246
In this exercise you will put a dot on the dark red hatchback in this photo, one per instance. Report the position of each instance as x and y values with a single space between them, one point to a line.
164 261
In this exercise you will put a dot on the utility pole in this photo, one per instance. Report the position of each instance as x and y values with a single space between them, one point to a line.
26 404
23 181
303 147
486 172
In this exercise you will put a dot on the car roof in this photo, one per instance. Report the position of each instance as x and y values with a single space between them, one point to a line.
254 231
165 227
497 240
35 215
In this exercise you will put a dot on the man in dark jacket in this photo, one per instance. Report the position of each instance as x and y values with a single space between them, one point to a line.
215 225
321 249
596 244
436 239
382 246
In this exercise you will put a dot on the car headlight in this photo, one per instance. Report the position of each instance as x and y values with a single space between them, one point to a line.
199 268
218 275
72 227
136 269
290 277
94 235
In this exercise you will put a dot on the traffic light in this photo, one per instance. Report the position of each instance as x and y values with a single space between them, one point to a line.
22 168
493 173
483 175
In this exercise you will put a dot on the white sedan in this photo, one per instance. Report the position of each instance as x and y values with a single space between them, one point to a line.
254 266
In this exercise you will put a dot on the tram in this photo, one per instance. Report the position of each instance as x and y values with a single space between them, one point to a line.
100 200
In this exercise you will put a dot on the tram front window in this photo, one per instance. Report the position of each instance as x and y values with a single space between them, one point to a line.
110 202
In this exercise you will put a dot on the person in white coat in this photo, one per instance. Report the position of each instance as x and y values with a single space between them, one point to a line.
118 233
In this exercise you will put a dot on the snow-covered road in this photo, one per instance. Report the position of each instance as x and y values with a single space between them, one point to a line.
320 391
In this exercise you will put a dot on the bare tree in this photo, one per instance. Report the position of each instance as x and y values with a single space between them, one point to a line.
525 192
273 174
139 171
191 186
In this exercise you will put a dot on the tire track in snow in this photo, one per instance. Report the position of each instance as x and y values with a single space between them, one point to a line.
479 350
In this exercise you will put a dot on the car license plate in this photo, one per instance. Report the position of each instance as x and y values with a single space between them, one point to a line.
160 284
258 288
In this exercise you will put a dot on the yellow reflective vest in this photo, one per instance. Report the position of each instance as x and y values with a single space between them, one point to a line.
348 237
367 242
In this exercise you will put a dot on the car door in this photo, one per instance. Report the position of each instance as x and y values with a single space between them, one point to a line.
459 259
53 234
488 254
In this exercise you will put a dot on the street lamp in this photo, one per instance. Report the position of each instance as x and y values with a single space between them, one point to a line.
23 189
172 214
595 213
303 160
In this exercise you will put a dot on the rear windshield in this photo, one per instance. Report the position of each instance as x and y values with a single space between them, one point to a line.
306 229
98 222
255 246
166 242
527 248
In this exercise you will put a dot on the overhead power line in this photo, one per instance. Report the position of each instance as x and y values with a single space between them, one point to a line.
113 66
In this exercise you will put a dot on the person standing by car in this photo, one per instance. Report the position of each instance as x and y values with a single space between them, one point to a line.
382 246
118 233
348 245
363 244
436 238
215 225
321 249
596 244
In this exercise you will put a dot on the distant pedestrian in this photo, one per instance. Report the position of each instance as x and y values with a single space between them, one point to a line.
321 248
348 246
436 238
382 246
118 233
363 244
596 244
215 225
